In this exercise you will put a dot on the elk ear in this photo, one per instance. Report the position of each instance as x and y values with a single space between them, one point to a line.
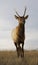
16 16
26 16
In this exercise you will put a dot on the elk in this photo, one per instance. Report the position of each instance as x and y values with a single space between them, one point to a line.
18 34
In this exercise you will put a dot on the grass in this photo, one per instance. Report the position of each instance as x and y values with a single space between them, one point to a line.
10 58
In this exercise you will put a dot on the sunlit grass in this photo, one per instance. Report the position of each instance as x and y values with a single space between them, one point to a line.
10 58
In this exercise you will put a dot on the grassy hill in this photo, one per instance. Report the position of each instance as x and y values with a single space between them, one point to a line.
10 58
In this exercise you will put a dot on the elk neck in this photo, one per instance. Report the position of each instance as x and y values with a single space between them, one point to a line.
22 26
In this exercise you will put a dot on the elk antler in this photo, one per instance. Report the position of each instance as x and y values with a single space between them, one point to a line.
17 14
24 12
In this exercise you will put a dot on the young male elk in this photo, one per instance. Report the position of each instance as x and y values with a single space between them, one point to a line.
18 34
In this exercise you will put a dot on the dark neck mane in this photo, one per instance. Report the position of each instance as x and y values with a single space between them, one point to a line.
21 25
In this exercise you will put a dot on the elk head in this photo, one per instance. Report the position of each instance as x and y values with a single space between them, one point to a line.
21 19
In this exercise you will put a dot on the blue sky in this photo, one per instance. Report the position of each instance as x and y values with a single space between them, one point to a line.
8 22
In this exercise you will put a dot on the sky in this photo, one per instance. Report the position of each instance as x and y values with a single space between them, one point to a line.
8 23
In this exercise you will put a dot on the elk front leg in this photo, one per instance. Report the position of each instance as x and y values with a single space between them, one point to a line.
22 55
16 49
15 44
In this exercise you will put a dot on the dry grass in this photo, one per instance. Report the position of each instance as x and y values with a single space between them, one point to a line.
10 58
